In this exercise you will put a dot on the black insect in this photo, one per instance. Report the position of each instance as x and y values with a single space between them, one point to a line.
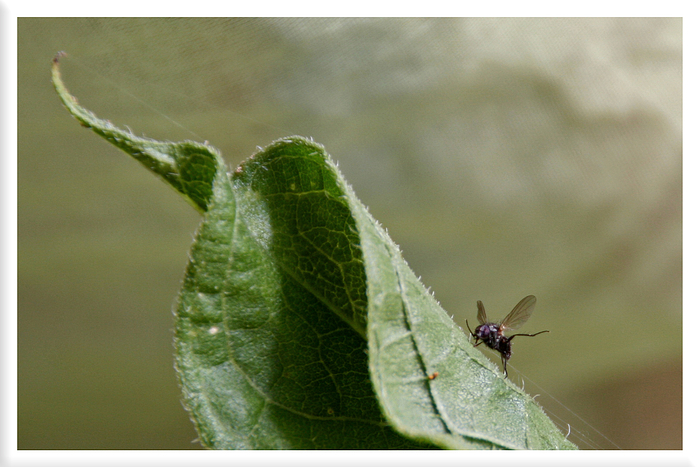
492 333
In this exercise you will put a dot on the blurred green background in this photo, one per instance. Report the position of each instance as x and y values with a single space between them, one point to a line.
506 157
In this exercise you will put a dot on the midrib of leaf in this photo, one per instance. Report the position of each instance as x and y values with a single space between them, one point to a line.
396 261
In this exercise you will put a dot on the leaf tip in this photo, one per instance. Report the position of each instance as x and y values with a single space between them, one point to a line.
59 55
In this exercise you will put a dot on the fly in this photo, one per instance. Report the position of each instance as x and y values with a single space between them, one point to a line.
492 334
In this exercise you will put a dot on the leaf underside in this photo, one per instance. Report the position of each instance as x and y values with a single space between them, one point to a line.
300 326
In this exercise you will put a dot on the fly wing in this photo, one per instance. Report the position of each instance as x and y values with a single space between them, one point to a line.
481 314
519 315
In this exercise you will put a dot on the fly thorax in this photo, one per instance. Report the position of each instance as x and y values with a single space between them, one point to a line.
486 331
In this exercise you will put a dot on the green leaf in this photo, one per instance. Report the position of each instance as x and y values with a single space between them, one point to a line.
299 324
187 166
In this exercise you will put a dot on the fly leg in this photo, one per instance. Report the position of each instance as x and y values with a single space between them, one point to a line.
473 335
526 335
